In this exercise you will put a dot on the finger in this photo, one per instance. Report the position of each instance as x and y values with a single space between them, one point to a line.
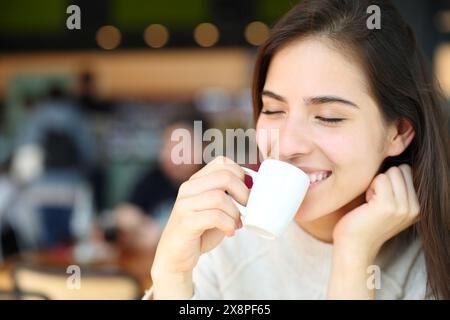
213 199
220 163
222 180
369 194
209 219
414 204
382 189
399 189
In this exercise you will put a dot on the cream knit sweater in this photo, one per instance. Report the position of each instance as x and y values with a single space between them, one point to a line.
297 266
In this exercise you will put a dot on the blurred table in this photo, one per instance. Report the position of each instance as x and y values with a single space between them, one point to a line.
137 264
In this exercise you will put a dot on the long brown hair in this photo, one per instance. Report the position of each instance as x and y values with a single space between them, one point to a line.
403 88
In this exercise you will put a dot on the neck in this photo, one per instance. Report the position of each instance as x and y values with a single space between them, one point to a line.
322 228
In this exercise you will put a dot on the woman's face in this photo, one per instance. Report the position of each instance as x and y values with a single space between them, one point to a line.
328 124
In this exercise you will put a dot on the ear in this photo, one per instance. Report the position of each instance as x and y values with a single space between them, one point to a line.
402 135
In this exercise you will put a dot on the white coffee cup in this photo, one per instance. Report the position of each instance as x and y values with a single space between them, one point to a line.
277 192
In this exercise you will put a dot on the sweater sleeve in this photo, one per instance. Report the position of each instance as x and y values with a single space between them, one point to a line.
206 285
415 287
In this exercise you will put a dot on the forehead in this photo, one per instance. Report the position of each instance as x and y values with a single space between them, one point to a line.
313 66
167 131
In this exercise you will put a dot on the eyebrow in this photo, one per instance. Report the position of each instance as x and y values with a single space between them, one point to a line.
273 95
312 100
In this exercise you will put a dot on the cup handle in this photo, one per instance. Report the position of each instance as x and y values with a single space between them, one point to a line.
253 174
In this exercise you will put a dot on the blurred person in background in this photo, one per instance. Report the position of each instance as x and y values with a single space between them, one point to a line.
8 192
87 94
140 220
17 169
51 163
8 237
87 98
58 125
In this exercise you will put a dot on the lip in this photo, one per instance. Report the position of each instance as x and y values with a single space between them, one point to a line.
309 170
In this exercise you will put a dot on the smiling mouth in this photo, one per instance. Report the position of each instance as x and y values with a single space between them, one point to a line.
317 177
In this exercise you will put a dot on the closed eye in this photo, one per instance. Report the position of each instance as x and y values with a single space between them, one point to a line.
271 112
330 120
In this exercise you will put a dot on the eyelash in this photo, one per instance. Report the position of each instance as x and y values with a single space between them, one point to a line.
329 120
271 112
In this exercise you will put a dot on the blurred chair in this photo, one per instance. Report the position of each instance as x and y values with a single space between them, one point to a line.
57 212
95 283
18 295
56 204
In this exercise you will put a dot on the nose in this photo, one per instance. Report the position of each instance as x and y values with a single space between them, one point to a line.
295 138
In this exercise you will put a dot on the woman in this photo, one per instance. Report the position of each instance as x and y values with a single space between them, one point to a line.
357 110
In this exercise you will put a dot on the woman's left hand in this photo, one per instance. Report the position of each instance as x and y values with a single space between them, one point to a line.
391 207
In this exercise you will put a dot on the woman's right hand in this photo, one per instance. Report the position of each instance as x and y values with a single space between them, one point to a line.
202 216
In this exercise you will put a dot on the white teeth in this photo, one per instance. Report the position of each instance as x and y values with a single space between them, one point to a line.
315 177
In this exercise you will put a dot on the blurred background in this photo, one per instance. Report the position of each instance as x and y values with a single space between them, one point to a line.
88 99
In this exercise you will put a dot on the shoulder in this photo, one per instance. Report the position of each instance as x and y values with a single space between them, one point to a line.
154 173
151 178
404 274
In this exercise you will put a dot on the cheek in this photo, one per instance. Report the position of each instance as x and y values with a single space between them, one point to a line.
356 146
343 149
266 136
262 140
355 157
165 154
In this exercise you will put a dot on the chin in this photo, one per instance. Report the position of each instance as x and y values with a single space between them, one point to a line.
309 214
